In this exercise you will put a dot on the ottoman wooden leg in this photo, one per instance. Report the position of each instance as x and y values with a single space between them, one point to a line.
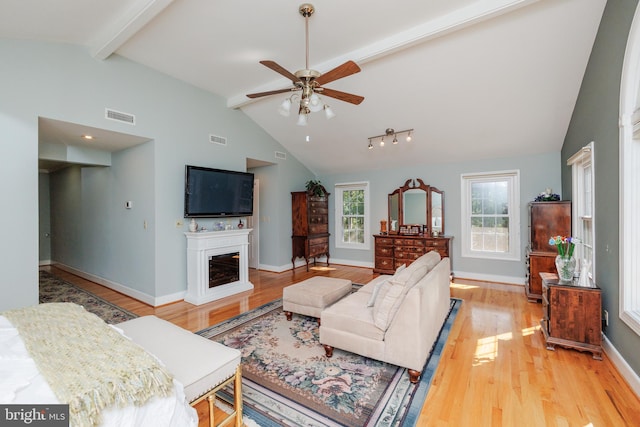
288 314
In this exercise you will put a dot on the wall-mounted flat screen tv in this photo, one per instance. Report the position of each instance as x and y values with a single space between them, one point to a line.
215 193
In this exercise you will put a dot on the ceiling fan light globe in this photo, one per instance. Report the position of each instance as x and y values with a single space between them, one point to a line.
285 108
302 120
315 103
328 112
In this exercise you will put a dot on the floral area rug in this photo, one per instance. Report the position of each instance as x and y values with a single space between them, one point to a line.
288 381
54 289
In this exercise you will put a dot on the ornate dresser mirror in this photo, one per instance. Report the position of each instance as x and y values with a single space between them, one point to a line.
416 203
416 226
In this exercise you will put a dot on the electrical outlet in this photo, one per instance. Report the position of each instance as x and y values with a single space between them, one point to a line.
606 318
179 223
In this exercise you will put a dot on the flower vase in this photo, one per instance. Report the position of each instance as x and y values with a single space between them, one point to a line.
565 265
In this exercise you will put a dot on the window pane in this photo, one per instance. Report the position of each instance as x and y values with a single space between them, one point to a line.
489 214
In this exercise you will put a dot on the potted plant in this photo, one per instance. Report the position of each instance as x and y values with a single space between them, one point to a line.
315 188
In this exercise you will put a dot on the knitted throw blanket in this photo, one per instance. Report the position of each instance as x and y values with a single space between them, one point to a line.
88 364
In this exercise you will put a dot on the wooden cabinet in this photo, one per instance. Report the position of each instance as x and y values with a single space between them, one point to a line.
571 316
391 251
310 226
546 219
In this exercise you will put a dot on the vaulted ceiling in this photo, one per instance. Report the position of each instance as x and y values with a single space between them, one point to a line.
474 78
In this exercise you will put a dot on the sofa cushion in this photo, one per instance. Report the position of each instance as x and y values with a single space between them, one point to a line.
378 285
350 315
418 268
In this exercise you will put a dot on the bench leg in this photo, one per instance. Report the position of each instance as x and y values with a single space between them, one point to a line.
237 395
235 418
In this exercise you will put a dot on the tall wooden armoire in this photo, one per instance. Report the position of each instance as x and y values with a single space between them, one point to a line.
546 219
310 226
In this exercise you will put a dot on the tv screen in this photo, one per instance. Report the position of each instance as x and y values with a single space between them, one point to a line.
214 193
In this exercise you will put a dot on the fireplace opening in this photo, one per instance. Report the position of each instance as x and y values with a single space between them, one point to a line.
224 269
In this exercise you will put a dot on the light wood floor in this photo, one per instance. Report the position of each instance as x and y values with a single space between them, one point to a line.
494 371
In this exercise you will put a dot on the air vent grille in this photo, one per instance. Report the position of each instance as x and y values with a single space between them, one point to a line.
281 155
119 116
221 140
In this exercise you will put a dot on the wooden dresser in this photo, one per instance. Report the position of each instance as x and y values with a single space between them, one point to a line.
310 226
393 250
546 219
571 316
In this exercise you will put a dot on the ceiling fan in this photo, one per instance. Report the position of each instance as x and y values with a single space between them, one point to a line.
310 82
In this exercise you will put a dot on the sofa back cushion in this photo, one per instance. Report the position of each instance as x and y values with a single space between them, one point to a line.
391 294
378 286
416 270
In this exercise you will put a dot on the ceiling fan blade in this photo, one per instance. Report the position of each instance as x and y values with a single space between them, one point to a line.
271 92
343 96
339 72
281 70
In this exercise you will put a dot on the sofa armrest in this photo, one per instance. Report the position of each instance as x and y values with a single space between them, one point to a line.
419 319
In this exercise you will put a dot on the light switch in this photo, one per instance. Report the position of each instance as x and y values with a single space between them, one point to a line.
128 204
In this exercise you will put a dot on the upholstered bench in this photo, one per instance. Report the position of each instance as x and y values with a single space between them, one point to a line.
311 296
201 365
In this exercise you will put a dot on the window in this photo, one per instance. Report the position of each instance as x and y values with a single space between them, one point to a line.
630 180
491 215
352 216
582 183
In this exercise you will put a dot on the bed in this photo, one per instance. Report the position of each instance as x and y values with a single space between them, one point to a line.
60 353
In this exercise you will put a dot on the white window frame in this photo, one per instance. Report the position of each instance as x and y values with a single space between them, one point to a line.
583 204
512 177
339 190
629 228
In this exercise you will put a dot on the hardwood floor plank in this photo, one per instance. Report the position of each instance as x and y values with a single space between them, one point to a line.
495 369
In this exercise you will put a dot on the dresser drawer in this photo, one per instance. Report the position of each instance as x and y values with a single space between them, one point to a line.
436 243
409 256
318 211
409 242
317 219
384 251
318 246
384 263
318 228
384 241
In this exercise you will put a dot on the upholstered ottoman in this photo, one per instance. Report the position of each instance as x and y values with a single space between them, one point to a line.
311 296
201 365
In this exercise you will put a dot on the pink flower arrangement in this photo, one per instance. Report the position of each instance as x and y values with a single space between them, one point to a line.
564 244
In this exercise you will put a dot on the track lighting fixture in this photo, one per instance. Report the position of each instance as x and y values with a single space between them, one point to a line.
389 132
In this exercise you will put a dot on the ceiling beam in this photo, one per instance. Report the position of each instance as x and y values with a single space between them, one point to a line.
118 32
462 18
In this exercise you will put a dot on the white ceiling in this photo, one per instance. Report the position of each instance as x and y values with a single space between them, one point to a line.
475 78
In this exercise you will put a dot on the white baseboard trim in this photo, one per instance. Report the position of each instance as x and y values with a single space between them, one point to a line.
44 262
621 365
352 263
301 262
133 293
512 280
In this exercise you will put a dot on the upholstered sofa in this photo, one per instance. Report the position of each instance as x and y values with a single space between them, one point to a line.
395 319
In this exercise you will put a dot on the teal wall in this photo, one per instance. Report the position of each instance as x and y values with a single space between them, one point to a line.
536 173
96 234
595 118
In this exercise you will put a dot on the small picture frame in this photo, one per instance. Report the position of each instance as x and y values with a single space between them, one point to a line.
410 230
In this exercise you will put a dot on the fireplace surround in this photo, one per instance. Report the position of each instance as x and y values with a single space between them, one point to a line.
217 265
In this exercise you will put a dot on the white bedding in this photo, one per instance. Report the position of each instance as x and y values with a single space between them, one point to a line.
22 383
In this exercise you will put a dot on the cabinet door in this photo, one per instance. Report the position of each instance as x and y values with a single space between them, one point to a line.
548 219
539 264
575 315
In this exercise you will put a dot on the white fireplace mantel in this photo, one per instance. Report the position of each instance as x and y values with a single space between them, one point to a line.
204 244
